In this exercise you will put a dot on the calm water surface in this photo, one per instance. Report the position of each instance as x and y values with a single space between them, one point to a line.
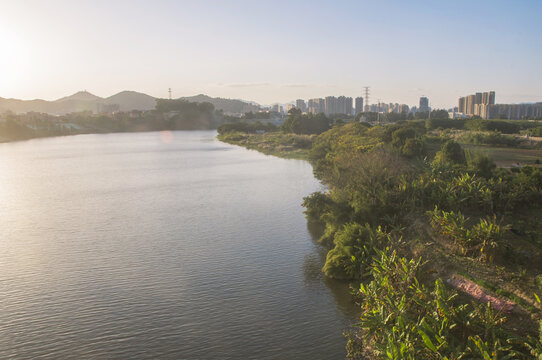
128 246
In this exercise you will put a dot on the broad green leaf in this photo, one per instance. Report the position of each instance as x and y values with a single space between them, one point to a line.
427 341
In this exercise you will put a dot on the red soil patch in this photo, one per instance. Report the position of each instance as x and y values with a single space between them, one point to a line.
481 294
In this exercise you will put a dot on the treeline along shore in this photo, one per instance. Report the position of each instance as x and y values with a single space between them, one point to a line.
168 114
436 223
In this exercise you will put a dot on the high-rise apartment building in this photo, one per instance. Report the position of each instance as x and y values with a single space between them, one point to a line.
491 97
477 104
349 106
341 105
329 105
471 101
514 111
359 105
277 108
424 104
403 108
387 107
338 105
316 106
485 98
478 98
300 104
462 105
482 111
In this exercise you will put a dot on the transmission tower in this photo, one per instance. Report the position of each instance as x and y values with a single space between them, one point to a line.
169 91
367 97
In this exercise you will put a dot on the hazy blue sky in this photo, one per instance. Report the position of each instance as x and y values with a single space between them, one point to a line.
273 51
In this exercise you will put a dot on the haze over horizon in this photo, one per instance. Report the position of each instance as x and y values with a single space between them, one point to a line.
271 52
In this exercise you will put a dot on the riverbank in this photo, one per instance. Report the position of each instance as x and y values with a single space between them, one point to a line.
288 146
482 240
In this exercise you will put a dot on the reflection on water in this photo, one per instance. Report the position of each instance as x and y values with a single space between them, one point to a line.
316 230
312 266
127 246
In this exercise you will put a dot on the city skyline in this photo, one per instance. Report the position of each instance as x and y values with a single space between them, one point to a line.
272 52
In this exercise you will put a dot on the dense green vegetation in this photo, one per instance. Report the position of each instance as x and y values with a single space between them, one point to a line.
477 124
381 196
271 143
402 318
489 138
261 115
407 210
535 131
307 124
292 140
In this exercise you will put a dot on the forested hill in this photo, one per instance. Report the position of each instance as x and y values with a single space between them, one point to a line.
123 101
81 101
228 106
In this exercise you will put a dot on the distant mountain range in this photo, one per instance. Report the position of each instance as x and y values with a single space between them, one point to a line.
123 101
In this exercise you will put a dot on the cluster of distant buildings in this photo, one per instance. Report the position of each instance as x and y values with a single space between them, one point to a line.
350 106
483 105
480 104
476 104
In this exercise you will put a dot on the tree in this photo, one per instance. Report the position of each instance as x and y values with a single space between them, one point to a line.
412 148
421 115
394 117
439 114
399 137
482 165
451 153
299 123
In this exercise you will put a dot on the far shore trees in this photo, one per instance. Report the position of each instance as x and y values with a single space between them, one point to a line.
307 124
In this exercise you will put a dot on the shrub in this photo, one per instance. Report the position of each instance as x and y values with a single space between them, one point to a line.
299 123
413 148
403 319
490 138
400 136
445 123
354 247
488 236
451 226
481 165
451 153
537 131
505 127
316 205
485 240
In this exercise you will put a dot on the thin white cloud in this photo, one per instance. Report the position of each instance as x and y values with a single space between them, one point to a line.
244 85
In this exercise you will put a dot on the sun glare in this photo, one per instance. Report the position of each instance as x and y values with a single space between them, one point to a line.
14 60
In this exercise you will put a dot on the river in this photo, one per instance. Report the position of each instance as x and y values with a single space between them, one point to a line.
161 245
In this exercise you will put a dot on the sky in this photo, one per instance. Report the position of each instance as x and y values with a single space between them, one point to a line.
273 51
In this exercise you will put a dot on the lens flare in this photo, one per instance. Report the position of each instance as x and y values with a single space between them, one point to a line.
166 136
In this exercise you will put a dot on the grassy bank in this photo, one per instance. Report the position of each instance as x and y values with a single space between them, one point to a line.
289 146
507 157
